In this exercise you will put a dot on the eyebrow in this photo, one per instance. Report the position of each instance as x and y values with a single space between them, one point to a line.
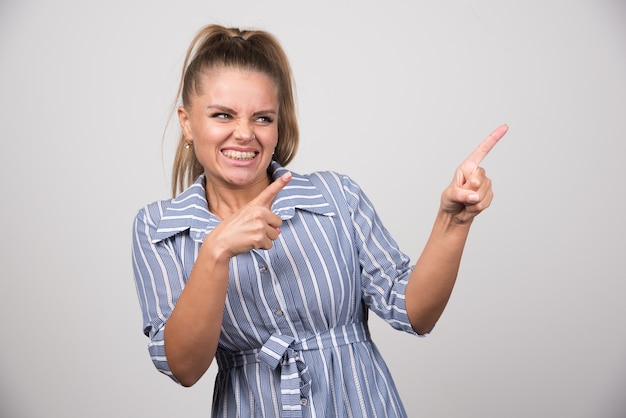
229 110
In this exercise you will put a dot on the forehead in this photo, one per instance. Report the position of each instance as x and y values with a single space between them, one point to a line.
244 83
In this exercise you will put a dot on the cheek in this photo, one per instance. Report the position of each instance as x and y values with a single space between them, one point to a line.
272 136
212 132
271 144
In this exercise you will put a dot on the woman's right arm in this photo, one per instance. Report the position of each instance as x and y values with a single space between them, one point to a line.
193 328
181 317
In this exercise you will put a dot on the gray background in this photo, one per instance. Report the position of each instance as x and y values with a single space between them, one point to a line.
394 94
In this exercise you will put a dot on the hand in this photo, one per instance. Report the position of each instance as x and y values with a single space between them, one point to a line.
255 226
470 191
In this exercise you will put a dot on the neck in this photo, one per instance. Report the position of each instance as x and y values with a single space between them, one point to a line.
225 199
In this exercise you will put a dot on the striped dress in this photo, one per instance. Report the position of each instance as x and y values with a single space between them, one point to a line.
294 340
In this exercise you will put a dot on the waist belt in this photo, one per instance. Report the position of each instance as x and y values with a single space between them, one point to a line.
284 351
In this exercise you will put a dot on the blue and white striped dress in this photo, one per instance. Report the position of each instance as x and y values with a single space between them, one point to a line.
294 339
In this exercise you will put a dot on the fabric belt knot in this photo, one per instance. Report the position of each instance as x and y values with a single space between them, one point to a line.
295 380
285 352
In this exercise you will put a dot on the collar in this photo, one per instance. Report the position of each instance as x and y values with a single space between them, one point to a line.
189 210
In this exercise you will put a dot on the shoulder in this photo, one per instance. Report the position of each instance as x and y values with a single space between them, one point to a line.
170 216
151 214
333 181
338 183
340 189
334 186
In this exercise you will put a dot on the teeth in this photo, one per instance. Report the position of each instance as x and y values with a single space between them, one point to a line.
239 155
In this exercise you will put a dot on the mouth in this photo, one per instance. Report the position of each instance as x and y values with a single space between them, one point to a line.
239 155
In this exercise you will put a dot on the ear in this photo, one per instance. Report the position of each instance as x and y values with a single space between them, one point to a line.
185 122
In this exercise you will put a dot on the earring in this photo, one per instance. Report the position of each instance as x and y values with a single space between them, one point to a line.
187 145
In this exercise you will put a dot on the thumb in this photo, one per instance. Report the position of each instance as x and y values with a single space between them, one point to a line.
266 197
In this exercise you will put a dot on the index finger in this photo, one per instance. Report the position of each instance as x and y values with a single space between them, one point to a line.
266 197
473 161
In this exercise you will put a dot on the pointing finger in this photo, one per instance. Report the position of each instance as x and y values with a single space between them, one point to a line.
266 197
473 161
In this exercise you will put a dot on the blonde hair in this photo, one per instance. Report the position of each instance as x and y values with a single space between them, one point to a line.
256 50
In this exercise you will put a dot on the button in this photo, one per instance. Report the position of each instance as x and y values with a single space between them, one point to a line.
263 269
303 401
279 312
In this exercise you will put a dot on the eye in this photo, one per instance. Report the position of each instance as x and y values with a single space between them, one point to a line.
221 116
265 119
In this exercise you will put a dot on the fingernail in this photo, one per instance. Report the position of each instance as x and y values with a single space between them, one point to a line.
473 198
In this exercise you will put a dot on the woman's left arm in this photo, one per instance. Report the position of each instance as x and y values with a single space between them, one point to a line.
435 272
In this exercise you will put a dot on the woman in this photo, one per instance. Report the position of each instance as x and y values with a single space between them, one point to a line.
272 273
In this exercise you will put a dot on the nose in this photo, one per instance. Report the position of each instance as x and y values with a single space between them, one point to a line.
244 132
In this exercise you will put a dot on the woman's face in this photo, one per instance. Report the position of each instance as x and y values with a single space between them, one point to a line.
233 125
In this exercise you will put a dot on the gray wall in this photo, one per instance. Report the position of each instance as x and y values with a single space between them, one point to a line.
393 93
